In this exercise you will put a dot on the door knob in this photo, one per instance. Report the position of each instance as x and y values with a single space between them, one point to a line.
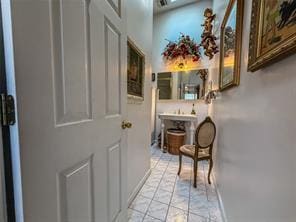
126 124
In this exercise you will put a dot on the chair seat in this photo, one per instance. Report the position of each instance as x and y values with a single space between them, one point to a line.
190 150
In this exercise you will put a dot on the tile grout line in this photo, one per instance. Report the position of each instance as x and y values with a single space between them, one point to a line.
181 195
207 192
157 186
190 183
205 184
170 198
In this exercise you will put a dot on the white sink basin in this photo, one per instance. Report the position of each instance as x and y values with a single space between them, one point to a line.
181 117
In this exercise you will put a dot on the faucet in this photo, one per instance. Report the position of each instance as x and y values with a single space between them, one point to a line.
179 111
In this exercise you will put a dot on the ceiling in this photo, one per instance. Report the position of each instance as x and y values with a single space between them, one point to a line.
171 5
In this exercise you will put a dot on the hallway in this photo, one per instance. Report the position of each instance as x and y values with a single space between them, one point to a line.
167 197
86 86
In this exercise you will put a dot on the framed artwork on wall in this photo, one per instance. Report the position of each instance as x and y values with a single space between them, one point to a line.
272 32
230 45
135 72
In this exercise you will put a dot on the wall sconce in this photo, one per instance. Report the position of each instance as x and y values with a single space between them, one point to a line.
211 94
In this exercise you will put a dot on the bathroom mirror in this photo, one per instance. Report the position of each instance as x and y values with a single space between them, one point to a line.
183 85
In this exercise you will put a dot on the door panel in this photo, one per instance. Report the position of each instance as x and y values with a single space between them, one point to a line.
112 55
71 42
76 193
116 5
114 181
70 60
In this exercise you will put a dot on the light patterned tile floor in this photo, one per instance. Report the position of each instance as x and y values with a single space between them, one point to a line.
166 197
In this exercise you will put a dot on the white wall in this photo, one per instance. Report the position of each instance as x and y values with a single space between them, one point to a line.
256 144
139 29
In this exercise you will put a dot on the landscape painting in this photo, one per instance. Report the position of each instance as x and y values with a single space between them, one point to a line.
135 71
274 34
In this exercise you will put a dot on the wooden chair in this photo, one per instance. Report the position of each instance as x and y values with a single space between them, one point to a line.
202 150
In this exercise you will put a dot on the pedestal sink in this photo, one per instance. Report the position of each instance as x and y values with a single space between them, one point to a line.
177 117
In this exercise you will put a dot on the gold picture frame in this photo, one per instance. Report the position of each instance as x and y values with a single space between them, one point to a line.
272 32
135 72
230 45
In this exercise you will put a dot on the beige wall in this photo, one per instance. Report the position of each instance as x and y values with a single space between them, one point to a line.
139 29
256 143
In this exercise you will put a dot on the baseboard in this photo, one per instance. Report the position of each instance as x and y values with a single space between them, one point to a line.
138 187
221 205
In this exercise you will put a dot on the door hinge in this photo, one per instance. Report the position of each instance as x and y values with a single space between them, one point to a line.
7 110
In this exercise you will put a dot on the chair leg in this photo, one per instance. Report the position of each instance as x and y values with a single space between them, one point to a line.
210 170
195 173
180 163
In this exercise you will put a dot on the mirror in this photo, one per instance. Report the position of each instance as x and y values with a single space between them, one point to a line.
230 43
183 85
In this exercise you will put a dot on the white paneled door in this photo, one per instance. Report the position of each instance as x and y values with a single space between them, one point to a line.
70 66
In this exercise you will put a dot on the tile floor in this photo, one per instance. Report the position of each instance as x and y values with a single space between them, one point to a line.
166 197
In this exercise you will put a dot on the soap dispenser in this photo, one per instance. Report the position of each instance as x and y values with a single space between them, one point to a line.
193 110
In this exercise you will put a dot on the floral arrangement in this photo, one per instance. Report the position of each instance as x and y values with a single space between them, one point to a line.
184 47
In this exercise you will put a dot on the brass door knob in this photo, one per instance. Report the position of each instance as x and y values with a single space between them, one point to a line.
126 124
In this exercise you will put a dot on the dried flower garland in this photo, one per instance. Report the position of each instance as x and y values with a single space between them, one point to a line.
184 47
208 41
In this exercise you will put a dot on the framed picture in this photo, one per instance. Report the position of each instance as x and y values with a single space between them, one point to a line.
230 45
135 71
273 32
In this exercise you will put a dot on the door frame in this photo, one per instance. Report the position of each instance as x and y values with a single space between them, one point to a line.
5 148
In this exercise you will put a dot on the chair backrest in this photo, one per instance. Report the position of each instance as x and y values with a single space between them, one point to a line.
205 133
